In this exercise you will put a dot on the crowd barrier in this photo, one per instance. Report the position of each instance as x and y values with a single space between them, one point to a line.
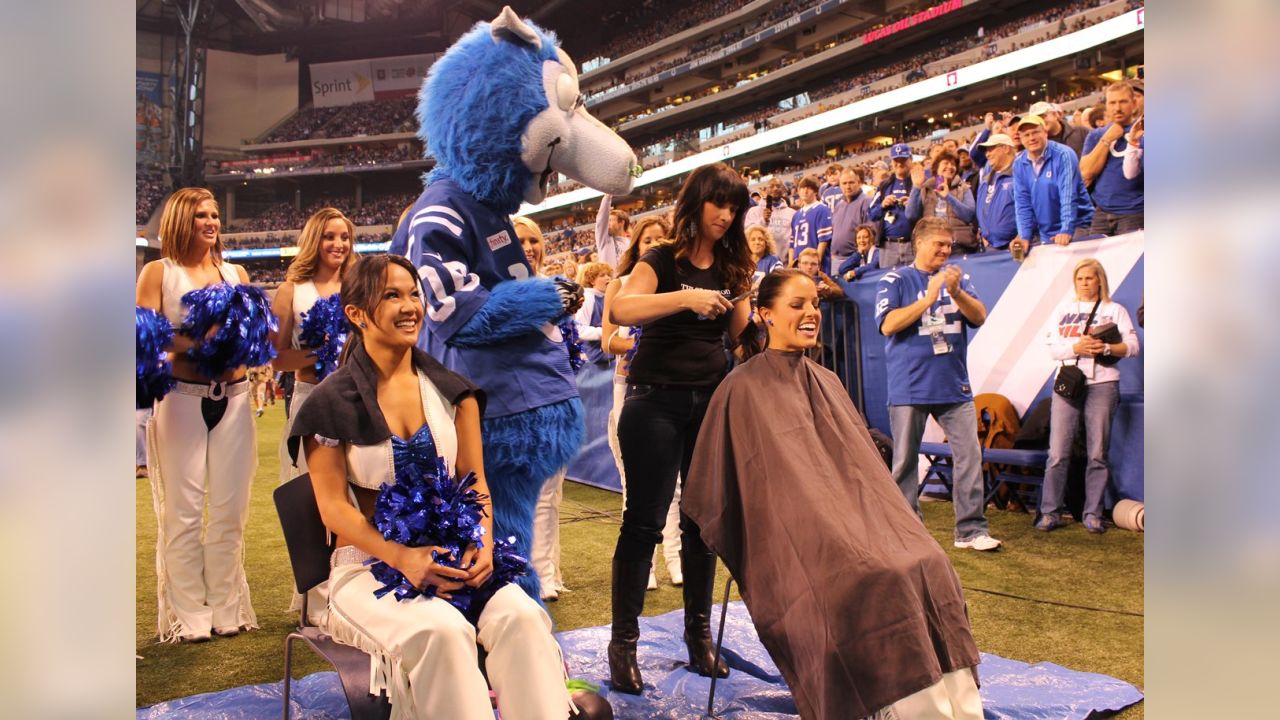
1007 354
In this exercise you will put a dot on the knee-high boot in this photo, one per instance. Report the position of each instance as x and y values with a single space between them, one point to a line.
699 580
629 580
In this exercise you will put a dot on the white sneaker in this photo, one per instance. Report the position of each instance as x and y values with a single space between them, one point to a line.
677 577
653 581
979 542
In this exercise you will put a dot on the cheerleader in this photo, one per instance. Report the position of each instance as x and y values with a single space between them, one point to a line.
387 415
202 441
324 255
544 553
325 252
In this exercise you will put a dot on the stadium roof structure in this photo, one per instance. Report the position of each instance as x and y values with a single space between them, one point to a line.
333 30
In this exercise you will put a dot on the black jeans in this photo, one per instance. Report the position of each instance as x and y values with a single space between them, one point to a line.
656 432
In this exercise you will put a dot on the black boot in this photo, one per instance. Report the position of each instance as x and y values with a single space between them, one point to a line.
630 577
699 580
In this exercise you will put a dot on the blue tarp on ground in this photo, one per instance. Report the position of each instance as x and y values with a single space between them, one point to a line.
754 689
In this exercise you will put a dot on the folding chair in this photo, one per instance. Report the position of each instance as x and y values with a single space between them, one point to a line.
309 551
724 612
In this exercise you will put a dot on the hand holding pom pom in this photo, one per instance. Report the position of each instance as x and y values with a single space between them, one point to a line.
231 324
154 371
324 330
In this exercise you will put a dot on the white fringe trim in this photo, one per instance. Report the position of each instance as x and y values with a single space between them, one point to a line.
386 675
168 626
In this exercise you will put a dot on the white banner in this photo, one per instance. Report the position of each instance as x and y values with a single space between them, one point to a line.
341 83
353 81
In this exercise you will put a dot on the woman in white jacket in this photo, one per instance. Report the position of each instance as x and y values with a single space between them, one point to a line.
1068 340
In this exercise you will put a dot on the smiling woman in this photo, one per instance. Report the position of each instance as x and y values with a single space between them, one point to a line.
390 400
834 502
685 296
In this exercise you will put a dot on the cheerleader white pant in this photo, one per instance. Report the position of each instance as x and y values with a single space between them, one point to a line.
200 580
141 418
301 391
545 551
423 651
318 596
671 530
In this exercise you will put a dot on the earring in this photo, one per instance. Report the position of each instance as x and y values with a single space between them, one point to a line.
363 326
769 323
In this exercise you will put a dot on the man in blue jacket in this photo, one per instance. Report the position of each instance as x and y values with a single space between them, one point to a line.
994 202
1050 198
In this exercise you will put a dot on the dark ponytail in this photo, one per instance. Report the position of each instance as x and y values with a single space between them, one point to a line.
755 337
362 286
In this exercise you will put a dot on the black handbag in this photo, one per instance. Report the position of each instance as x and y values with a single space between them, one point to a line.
1109 334
1071 381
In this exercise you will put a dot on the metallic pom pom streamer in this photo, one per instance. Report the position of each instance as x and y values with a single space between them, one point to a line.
242 315
324 331
427 507
569 330
154 371
630 354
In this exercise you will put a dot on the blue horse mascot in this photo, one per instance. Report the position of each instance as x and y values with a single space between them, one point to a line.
501 113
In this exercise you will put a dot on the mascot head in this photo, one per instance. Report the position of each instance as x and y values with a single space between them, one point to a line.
501 113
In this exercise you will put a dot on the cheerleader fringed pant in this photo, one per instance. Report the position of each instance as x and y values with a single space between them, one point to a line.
318 596
202 449
423 651
545 554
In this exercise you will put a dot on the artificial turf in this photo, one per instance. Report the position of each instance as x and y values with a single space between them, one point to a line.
1018 597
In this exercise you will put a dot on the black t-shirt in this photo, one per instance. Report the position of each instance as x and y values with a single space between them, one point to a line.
680 349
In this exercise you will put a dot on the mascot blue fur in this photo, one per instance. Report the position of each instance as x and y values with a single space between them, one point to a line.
501 113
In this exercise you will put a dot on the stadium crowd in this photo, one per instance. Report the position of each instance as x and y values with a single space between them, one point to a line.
912 69
151 189
376 117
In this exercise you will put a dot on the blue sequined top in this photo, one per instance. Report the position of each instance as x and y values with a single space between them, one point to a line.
419 450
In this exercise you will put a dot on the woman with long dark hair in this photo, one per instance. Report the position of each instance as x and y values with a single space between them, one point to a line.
646 233
685 295
203 441
850 594
392 414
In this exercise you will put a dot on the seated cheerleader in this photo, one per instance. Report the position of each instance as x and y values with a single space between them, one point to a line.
386 416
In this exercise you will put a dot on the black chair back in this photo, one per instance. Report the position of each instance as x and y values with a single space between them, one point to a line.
304 532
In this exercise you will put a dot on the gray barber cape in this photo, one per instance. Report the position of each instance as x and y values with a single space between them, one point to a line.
854 600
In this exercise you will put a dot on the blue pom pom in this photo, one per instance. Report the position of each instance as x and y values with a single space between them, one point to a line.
427 507
242 315
569 329
155 373
324 330
630 354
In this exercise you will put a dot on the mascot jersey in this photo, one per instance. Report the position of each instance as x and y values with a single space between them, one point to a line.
463 249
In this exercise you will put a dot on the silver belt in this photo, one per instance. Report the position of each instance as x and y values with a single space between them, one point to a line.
348 555
213 390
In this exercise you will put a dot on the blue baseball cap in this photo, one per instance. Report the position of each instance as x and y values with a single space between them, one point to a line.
900 150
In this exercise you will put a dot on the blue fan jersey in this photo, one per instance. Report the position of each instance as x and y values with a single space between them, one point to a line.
916 375
830 195
463 249
810 226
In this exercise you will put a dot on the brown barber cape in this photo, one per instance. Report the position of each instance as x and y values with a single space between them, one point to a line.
854 600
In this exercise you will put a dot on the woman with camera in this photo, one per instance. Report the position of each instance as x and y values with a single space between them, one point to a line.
1094 332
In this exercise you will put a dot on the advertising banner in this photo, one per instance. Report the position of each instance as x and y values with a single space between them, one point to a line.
344 83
